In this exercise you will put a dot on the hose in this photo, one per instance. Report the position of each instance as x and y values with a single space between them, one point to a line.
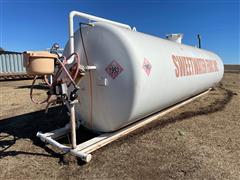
46 80
66 71
78 64
31 93
55 79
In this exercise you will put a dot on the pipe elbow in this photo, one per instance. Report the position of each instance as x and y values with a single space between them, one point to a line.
72 14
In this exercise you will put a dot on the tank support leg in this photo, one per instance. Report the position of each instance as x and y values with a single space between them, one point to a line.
73 123
50 137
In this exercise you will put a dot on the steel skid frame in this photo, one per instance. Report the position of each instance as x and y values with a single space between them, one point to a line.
84 149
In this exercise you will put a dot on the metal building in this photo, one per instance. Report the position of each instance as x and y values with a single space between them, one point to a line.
11 65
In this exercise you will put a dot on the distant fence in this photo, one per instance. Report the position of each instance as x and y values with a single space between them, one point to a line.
232 68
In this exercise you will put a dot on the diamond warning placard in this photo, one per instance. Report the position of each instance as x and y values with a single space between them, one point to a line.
114 69
147 67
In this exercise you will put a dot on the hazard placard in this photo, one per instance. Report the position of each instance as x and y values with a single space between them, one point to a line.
147 67
114 69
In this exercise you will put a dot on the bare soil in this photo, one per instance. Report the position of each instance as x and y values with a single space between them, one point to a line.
198 141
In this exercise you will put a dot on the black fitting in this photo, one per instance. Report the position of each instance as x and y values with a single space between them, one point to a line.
73 95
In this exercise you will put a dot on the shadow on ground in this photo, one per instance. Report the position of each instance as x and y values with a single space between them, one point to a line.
26 126
216 105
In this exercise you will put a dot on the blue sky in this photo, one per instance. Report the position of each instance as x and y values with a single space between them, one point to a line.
36 25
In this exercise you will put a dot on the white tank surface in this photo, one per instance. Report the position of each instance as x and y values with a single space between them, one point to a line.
136 75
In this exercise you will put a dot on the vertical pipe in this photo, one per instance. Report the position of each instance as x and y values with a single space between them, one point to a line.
73 125
199 41
71 33
50 79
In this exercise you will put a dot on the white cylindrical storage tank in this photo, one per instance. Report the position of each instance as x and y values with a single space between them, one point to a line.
136 75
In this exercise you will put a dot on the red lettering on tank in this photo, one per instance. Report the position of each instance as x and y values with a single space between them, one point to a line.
189 66
177 69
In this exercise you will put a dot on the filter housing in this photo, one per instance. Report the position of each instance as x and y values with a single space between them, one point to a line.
39 62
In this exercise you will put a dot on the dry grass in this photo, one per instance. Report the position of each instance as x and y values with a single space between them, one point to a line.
198 141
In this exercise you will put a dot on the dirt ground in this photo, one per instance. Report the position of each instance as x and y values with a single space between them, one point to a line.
198 141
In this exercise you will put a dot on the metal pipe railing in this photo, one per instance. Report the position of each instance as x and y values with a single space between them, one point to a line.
72 14
47 139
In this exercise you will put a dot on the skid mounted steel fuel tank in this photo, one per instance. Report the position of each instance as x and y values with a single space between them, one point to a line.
136 75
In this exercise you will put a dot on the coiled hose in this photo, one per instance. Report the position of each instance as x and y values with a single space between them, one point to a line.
55 79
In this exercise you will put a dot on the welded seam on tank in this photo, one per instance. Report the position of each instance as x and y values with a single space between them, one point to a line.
90 77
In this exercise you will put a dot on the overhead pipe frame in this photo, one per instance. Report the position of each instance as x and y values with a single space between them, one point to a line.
72 14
